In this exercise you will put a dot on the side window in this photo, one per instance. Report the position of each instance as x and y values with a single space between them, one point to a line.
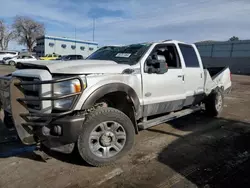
72 57
51 44
189 55
12 53
169 53
79 57
63 45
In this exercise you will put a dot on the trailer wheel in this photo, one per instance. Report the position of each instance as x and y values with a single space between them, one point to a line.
106 135
214 103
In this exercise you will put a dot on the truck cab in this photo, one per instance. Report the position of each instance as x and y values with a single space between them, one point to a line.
181 85
98 105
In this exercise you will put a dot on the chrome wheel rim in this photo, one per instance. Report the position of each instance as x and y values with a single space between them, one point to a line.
219 102
107 139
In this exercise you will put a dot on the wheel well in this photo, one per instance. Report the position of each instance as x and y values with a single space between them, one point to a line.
121 101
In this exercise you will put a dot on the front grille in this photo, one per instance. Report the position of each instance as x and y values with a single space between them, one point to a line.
31 91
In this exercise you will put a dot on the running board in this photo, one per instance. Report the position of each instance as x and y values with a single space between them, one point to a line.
171 116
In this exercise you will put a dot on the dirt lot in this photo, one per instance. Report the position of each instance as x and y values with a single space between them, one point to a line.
195 151
6 69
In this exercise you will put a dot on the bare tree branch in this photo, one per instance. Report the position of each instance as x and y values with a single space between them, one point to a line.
6 35
27 31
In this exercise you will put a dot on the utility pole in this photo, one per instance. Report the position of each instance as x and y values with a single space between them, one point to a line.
93 29
75 40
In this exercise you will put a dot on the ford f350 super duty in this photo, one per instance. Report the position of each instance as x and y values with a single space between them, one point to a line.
97 105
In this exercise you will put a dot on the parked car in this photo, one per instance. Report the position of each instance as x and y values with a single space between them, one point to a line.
7 54
7 58
99 105
16 59
50 57
70 57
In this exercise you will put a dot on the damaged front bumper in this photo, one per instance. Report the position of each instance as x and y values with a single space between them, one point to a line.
37 126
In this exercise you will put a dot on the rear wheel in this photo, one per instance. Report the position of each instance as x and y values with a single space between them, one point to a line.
106 136
214 103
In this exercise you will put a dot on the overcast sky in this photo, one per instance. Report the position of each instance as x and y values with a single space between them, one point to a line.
131 21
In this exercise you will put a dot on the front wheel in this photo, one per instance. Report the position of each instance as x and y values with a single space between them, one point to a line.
12 63
106 136
214 103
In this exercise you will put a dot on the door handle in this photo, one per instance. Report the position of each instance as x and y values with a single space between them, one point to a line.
181 76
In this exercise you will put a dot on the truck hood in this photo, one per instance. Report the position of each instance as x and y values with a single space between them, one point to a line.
75 67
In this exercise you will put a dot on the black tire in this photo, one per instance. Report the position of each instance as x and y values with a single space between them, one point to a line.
12 63
211 102
96 117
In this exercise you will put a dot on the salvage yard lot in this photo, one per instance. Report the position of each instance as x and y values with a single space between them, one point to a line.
6 69
194 151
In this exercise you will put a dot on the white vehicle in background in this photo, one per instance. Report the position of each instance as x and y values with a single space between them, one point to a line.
7 54
23 58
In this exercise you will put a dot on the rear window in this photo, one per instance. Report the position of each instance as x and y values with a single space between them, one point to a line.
189 55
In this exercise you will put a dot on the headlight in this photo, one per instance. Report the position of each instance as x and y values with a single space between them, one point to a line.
65 88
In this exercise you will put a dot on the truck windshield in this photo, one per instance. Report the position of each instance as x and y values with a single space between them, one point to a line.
130 54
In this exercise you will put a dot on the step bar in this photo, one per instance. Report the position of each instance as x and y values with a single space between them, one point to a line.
169 117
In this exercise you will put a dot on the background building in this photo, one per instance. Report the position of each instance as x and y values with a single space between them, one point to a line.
239 48
234 54
64 46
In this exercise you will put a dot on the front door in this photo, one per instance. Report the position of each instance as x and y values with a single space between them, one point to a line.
163 92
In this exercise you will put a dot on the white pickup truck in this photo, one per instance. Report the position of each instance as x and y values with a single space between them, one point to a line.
97 105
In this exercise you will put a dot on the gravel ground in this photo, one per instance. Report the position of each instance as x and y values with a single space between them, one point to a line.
194 151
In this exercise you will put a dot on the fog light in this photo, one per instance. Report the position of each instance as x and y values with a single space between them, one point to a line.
56 130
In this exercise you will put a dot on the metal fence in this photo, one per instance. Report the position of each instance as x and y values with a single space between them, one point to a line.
237 65
239 48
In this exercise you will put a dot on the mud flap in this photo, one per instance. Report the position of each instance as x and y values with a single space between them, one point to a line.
16 108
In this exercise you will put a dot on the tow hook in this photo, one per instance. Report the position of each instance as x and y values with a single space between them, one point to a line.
41 154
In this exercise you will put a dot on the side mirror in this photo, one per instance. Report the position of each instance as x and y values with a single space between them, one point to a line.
157 64
149 61
152 60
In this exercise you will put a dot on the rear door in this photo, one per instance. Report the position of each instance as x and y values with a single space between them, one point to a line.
193 74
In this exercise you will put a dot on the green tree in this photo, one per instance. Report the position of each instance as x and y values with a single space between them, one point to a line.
234 38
